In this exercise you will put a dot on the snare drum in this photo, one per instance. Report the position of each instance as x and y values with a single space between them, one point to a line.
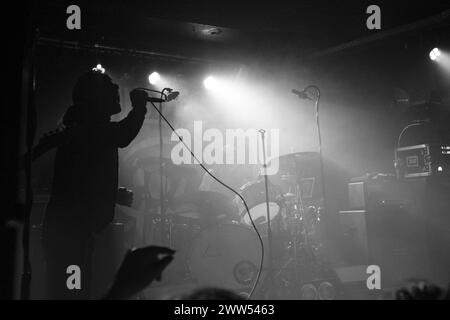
226 256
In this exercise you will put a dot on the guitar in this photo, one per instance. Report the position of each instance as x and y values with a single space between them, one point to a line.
47 142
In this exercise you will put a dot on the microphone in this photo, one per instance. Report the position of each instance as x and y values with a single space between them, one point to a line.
171 96
301 94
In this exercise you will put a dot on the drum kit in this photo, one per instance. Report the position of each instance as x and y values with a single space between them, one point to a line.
213 234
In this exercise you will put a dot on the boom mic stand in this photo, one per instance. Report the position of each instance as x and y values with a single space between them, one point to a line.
304 95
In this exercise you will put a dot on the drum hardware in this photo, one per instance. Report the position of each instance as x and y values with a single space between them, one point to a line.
300 223
298 234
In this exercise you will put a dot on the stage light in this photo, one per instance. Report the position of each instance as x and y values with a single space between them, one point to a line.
435 54
238 100
154 78
99 68
210 83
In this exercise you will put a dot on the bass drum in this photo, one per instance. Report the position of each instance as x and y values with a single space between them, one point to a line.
225 256
255 196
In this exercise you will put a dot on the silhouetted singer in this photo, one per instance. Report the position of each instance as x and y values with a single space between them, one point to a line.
85 180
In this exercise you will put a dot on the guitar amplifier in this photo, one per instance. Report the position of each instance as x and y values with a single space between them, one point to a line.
422 160
390 236
381 189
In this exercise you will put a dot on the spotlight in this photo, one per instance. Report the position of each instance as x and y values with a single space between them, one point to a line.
154 78
435 54
99 68
210 83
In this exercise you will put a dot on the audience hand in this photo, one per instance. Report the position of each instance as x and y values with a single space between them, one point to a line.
139 269
420 290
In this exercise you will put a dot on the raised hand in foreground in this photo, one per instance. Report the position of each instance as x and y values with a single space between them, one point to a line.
138 270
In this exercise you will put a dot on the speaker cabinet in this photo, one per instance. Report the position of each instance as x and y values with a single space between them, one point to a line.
389 236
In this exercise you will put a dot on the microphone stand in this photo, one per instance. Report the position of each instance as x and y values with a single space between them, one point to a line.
269 276
317 100
165 236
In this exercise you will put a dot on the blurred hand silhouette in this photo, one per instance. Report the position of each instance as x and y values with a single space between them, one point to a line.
420 290
138 270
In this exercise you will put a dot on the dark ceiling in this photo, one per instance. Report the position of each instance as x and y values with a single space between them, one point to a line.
228 29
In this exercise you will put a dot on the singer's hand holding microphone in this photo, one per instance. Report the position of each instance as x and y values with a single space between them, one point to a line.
138 98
